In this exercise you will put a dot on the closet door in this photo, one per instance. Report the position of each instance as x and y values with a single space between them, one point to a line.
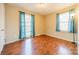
2 26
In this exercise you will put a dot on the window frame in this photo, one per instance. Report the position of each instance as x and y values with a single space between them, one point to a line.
65 22
71 11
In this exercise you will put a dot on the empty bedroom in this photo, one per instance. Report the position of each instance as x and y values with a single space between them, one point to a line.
39 28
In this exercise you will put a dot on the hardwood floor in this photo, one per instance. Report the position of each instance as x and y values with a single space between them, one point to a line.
40 45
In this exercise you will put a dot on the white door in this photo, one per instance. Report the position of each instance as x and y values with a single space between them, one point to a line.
2 26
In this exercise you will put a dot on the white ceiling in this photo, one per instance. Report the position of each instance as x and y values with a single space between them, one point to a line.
43 9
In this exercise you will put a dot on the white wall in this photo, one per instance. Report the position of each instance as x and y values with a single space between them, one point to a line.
2 26
39 25
12 24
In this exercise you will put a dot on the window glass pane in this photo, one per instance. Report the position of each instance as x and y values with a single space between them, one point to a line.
64 17
28 25
64 26
63 21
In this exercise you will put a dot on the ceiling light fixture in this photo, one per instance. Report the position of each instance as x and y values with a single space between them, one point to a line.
42 4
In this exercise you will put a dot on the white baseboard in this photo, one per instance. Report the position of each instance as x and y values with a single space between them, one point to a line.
59 37
8 42
40 34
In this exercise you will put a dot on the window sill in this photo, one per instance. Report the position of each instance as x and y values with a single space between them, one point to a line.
65 32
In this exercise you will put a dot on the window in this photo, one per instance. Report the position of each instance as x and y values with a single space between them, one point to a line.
66 22
63 21
28 25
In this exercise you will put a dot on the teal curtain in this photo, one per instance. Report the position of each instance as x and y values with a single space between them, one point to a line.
22 33
33 25
57 23
74 26
71 24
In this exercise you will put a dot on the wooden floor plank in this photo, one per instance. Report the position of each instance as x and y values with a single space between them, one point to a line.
40 45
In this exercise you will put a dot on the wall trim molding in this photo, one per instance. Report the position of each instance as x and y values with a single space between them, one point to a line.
59 37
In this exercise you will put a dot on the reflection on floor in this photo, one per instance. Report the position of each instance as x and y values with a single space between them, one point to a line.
40 45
